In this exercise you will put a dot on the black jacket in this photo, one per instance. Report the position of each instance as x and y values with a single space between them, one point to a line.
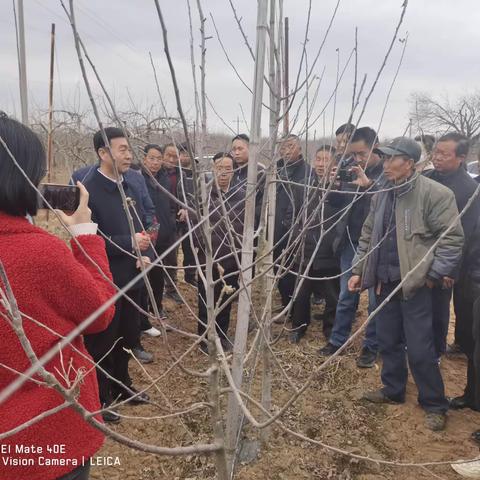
222 229
163 208
472 256
349 228
319 218
463 187
185 194
239 181
185 186
290 198
107 211
169 179
135 180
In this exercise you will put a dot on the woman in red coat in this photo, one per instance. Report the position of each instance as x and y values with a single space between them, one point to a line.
56 289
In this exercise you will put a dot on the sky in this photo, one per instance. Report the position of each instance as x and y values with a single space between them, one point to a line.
441 57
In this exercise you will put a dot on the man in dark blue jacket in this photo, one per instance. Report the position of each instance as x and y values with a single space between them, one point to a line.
108 347
135 180
146 211
364 167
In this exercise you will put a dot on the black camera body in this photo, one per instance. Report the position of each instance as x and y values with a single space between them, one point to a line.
345 173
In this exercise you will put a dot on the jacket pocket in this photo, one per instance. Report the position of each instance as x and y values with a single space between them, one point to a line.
414 224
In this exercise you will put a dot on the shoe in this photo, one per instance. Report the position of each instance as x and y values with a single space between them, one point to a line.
191 281
110 416
328 350
476 436
458 403
435 421
135 398
377 396
226 344
318 300
296 336
367 358
142 355
173 295
152 332
454 349
468 469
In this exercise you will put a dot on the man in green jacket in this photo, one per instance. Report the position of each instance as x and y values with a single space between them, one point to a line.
411 241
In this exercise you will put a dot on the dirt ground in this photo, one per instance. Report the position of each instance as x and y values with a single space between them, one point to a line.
329 411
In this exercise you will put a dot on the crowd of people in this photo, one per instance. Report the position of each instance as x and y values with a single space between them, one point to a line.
396 220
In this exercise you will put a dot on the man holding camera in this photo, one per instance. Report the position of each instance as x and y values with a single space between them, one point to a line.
357 177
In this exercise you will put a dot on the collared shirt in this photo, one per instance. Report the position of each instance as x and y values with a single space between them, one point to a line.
111 179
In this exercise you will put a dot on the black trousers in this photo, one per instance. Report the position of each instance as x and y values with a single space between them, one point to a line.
189 263
286 282
159 277
145 323
80 473
156 277
441 317
408 323
462 305
124 330
170 260
328 289
222 320
157 280
469 341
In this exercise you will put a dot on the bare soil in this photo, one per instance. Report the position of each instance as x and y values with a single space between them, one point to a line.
330 411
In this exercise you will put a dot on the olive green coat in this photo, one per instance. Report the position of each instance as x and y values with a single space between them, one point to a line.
424 211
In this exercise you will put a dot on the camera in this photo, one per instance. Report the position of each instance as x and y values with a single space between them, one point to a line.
345 173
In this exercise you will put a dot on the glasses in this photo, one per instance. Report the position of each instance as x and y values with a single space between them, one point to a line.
154 159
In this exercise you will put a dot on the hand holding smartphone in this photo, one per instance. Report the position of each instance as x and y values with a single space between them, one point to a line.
81 212
61 197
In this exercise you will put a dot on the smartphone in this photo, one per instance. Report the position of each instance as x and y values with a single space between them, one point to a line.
60 197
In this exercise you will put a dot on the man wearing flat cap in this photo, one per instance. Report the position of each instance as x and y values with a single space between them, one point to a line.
410 242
